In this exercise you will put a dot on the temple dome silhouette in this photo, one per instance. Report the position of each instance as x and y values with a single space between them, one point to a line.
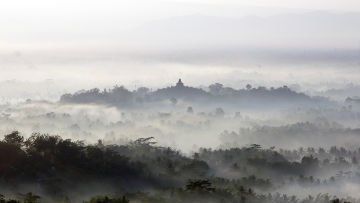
180 91
180 83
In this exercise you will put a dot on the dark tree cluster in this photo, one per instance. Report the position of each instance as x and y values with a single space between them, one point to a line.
216 94
59 169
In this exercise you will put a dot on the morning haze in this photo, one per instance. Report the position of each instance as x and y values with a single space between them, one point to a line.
179 101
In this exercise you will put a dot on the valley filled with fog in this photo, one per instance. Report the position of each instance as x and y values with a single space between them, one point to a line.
273 140
176 101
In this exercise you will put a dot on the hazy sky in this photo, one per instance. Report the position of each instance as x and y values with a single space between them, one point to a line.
34 21
20 16
86 42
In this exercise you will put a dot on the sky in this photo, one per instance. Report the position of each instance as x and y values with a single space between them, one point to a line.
85 43
67 21
305 4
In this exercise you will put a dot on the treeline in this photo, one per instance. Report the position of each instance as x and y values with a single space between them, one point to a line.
216 93
199 193
301 133
55 165
47 168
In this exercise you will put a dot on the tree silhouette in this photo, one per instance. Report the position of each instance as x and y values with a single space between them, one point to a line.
248 87
190 110
31 198
145 141
106 199
199 185
14 138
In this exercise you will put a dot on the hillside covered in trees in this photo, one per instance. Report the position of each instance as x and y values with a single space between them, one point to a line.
45 168
215 94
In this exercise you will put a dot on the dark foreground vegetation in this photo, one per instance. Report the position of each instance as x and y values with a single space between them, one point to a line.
44 168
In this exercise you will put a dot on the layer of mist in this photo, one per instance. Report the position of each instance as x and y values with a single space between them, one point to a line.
92 109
